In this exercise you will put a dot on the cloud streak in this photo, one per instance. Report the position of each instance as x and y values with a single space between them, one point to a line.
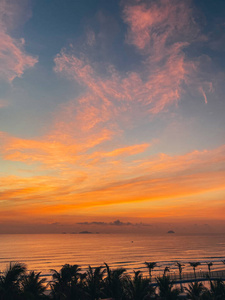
151 180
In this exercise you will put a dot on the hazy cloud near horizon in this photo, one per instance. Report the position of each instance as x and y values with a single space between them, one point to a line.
114 223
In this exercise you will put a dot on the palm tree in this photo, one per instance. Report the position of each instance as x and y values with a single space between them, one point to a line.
116 283
138 287
180 267
194 265
166 290
217 290
150 266
209 264
66 283
10 281
33 286
94 281
195 290
166 270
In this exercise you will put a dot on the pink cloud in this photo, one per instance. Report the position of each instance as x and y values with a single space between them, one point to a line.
13 58
158 90
156 25
203 94
14 13
155 29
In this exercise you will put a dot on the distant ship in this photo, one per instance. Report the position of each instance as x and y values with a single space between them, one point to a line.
85 232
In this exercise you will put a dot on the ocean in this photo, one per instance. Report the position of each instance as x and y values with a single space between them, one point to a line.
43 252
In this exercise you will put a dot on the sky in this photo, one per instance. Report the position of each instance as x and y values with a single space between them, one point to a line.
112 115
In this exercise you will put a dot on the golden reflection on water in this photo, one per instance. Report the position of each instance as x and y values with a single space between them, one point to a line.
42 252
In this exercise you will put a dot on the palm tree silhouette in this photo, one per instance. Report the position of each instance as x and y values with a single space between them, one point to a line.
65 282
70 283
116 283
166 290
138 287
150 266
195 290
94 281
217 289
10 281
194 265
33 286
166 270
209 264
180 267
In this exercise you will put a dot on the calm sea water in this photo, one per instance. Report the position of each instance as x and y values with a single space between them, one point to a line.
42 252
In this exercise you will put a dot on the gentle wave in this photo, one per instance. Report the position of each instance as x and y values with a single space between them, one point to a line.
45 252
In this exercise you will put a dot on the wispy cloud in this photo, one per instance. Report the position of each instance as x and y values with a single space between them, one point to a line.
87 189
204 95
13 58
160 88
154 28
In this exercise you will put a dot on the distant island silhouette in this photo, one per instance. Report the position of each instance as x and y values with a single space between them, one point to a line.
170 231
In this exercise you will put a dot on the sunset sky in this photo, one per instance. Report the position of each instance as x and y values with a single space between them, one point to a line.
111 110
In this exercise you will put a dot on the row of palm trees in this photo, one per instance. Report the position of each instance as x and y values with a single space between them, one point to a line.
70 282
151 266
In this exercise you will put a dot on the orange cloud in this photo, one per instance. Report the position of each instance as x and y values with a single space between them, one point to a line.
128 150
144 184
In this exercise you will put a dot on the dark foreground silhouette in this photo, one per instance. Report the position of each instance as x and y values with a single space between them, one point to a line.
16 283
